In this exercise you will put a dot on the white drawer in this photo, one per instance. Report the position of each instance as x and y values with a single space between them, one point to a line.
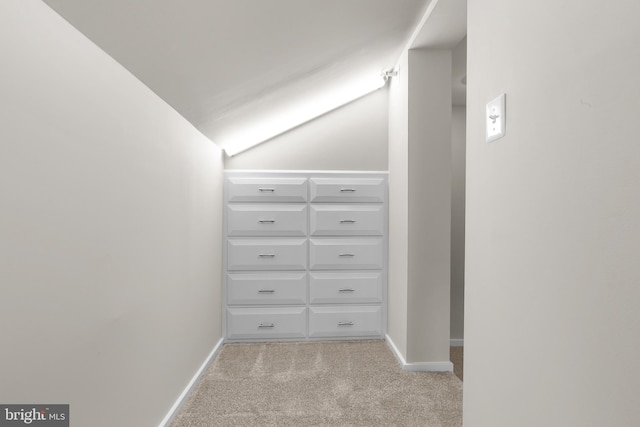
339 254
247 323
340 288
266 220
347 189
347 220
345 321
266 254
266 288
264 189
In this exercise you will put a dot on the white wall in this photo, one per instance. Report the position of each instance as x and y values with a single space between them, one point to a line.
458 159
553 208
353 137
429 273
420 207
110 227
398 206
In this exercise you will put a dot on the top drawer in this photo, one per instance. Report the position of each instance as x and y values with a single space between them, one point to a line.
369 190
263 189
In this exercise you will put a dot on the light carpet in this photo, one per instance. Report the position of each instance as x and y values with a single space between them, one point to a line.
456 355
330 383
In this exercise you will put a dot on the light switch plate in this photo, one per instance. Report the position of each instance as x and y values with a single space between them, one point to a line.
496 118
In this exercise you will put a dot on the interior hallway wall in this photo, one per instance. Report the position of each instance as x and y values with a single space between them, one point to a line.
110 222
397 318
458 160
429 253
353 137
553 208
420 153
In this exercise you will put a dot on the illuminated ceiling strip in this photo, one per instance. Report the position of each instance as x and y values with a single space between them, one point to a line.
285 121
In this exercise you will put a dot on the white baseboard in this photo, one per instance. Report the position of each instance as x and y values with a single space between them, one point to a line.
395 351
444 366
181 399
456 342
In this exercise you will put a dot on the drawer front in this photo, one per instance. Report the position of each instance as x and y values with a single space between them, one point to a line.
266 254
339 254
266 288
266 220
347 190
263 189
347 220
346 321
247 323
341 288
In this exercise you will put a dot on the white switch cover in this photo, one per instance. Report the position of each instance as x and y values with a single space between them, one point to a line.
495 118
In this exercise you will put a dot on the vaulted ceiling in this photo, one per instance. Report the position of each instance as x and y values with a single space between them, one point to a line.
218 62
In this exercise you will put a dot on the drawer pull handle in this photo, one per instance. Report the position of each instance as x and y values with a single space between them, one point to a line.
266 291
345 323
346 290
266 190
266 325
347 255
347 221
348 190
267 255
266 221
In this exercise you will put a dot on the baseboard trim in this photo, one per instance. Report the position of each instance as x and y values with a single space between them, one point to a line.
456 342
444 366
395 351
183 396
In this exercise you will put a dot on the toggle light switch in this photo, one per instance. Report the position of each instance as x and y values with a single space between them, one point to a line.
496 118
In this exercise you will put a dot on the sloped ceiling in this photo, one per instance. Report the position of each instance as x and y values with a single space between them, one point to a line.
220 62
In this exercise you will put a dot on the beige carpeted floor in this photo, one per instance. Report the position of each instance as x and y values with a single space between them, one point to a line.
456 355
331 383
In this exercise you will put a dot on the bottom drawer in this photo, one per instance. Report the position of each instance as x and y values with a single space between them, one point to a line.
345 321
248 323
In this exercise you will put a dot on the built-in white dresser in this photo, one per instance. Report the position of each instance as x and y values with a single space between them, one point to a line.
305 255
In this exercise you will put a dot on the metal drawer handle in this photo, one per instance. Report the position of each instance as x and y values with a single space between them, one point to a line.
347 255
267 255
348 190
266 190
266 221
266 291
346 290
345 323
347 221
266 325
